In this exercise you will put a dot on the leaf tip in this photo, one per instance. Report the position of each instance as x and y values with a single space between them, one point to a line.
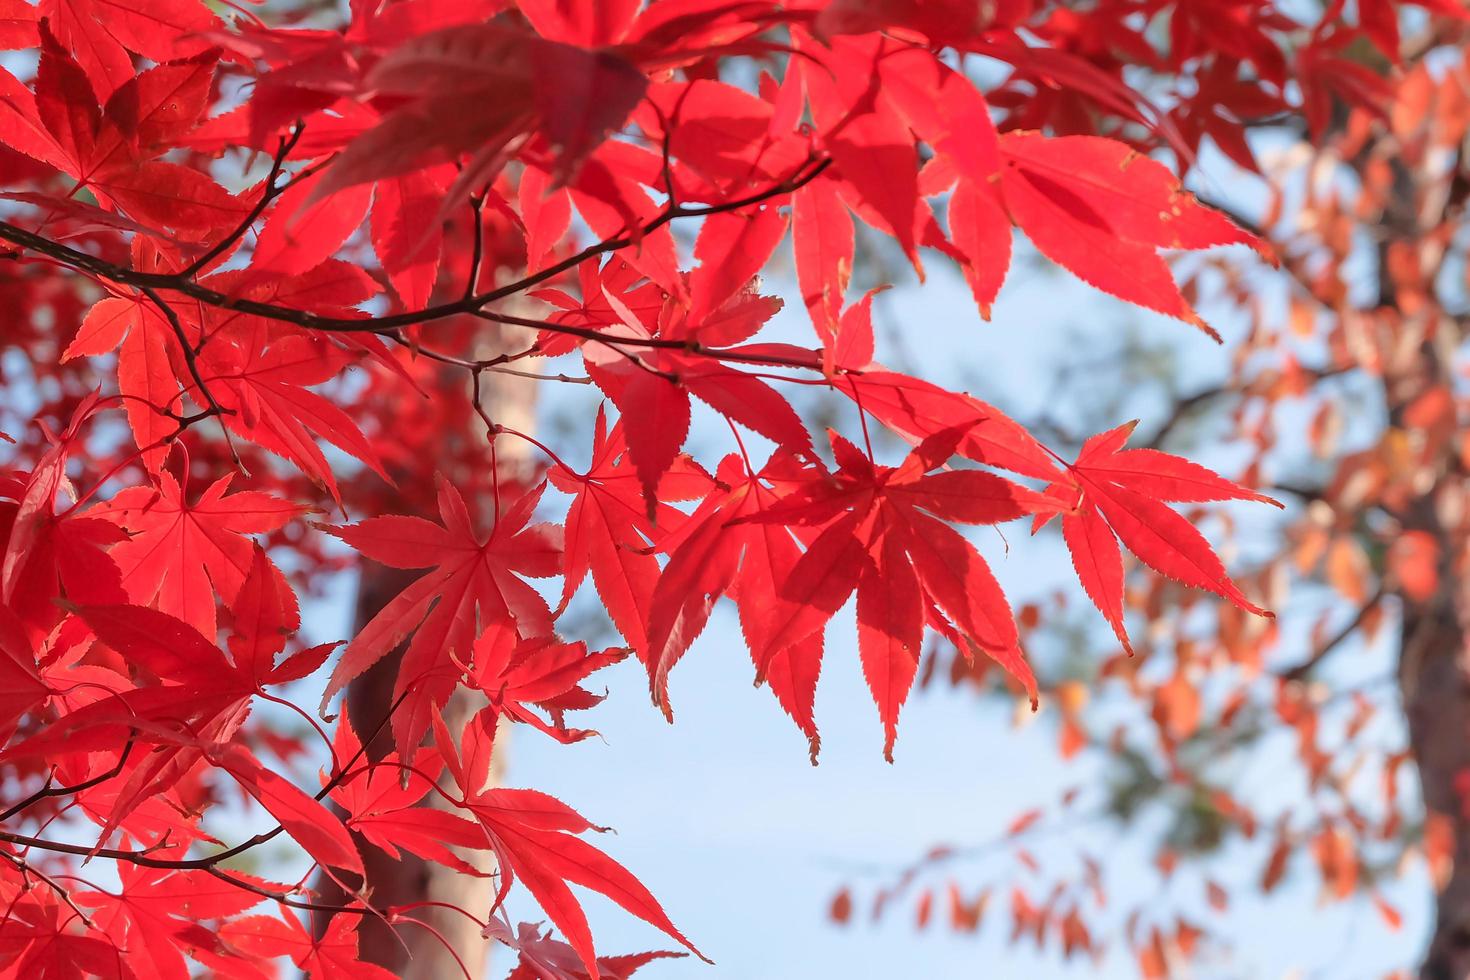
1209 331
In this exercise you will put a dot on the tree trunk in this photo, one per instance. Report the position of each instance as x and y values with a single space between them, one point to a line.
1434 682
1434 663
412 952
1436 693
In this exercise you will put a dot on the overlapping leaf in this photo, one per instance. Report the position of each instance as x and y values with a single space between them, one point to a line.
880 537
475 579
183 553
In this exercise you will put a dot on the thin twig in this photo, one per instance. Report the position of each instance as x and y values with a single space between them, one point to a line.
1301 670
268 194
47 791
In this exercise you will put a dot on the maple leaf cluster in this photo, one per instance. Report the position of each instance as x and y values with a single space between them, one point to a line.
248 251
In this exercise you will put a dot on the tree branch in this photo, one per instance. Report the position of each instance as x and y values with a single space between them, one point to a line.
178 283
1301 670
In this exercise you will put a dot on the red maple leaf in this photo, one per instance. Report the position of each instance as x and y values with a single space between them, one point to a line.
1120 493
652 389
608 530
182 553
535 840
516 674
332 954
882 534
381 802
154 914
475 579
